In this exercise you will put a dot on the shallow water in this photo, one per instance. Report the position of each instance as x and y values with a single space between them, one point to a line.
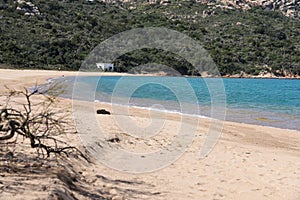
269 102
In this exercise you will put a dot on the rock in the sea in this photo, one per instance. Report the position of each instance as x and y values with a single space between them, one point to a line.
103 112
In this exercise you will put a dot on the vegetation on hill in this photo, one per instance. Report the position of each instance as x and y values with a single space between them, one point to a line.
64 33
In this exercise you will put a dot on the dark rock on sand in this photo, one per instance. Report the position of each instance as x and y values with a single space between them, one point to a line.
103 112
114 140
9 155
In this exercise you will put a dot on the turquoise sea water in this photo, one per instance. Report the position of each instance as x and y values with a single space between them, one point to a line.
269 102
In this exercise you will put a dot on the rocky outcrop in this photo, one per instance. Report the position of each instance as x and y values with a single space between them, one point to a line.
264 74
28 8
290 8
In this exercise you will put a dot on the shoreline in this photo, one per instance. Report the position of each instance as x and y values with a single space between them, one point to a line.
48 75
268 118
74 73
53 75
183 114
99 104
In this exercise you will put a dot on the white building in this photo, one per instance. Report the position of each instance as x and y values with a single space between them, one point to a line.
105 66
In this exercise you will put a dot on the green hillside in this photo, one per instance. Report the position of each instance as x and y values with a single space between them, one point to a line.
65 32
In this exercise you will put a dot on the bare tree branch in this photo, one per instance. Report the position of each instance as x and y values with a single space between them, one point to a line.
41 123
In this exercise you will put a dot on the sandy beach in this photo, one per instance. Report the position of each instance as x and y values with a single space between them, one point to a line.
248 162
